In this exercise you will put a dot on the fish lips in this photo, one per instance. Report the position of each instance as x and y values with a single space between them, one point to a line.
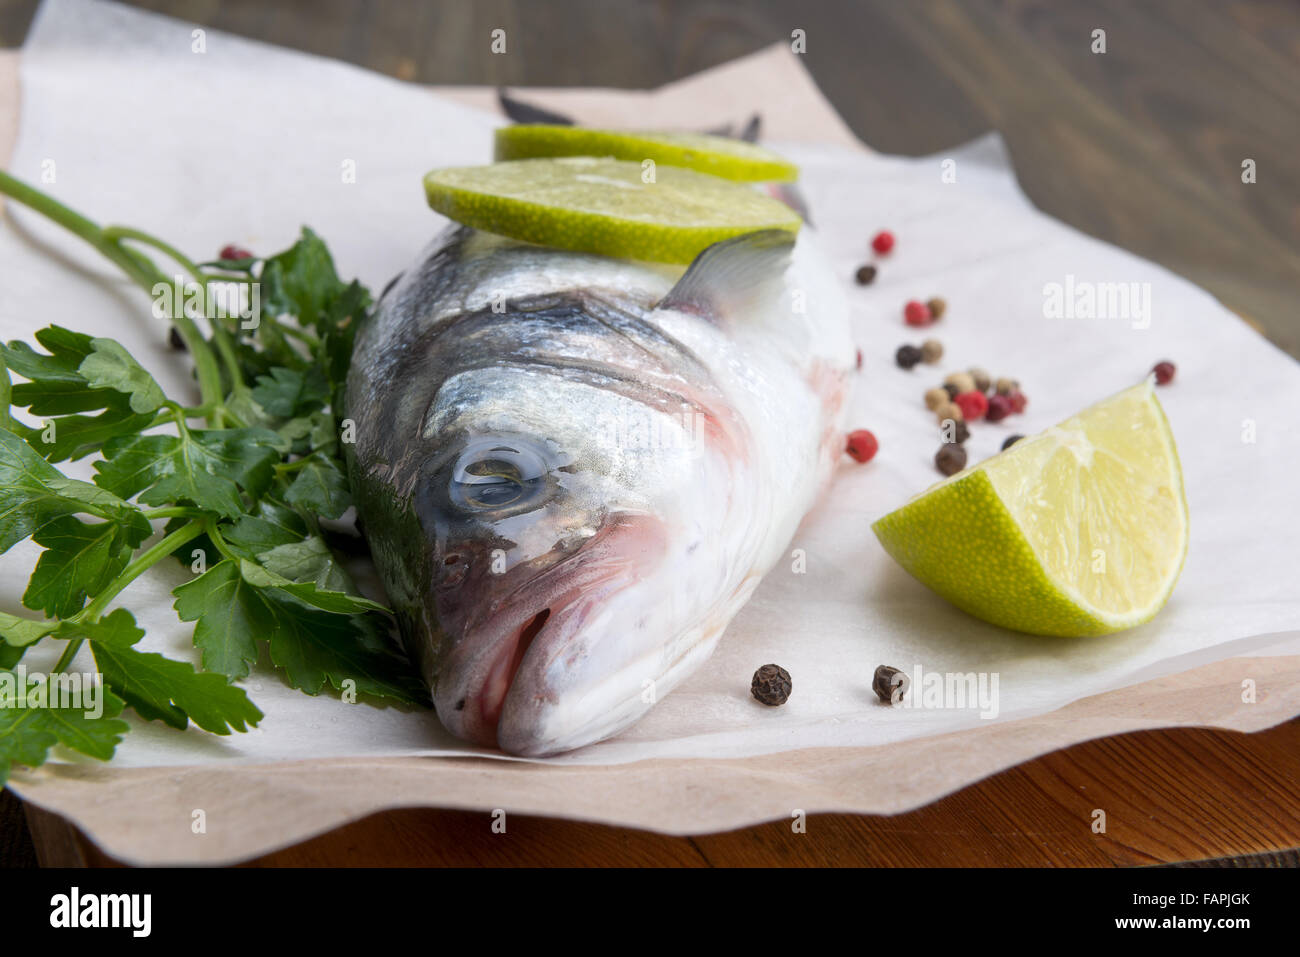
515 680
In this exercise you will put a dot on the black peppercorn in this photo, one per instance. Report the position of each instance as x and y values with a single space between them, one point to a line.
866 275
889 682
950 459
174 339
1010 441
771 685
951 389
907 356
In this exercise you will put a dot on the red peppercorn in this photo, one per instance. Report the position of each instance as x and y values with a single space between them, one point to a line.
916 313
859 360
862 445
973 405
1164 372
883 242
235 252
1018 401
999 408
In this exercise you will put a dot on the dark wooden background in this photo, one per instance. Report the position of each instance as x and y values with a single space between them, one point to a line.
1141 146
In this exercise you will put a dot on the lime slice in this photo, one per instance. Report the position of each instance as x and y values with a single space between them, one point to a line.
718 155
604 206
1080 530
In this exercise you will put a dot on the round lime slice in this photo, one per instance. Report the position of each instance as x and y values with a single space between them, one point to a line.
1080 530
718 155
605 206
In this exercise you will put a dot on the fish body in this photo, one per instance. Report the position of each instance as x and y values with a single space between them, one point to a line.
573 470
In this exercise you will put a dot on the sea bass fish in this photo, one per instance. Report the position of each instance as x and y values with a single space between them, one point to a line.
573 470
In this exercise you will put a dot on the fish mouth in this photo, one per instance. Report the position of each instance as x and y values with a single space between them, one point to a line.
509 670
502 673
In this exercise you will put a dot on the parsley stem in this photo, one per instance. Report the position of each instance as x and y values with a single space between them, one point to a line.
220 542
126 232
226 350
283 468
7 421
147 559
139 268
69 652
220 337
174 511
302 335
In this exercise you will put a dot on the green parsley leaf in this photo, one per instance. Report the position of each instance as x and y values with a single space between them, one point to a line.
79 559
28 733
306 560
336 600
272 525
75 436
315 647
161 689
202 468
19 632
231 616
320 487
338 330
33 493
249 498
300 281
312 647
57 388
112 367
67 350
291 392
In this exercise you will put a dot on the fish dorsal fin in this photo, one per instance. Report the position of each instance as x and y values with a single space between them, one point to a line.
734 274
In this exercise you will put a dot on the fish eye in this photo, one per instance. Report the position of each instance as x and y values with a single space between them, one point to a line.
496 475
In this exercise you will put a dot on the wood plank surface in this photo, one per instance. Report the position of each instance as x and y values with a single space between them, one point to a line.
1171 796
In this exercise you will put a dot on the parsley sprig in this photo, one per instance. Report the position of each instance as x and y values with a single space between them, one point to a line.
243 485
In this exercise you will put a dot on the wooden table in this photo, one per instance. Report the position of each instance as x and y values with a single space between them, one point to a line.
1141 146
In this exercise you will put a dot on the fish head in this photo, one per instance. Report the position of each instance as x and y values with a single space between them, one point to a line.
564 556
569 473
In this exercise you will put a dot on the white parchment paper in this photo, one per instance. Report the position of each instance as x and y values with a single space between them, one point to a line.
244 143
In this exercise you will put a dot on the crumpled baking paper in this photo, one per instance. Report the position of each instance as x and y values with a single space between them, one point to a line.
244 143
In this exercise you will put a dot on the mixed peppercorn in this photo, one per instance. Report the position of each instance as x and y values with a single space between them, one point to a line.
887 682
771 685
963 397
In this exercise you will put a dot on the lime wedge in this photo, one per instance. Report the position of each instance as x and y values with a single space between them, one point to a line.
604 206
1080 530
718 155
